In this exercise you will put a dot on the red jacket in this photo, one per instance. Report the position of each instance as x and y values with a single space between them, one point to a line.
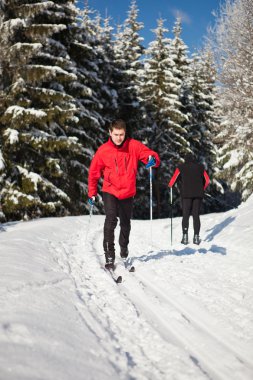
118 167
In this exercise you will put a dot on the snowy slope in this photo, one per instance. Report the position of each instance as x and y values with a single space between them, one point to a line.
187 312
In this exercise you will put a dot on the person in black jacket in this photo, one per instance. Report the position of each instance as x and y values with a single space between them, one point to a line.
194 180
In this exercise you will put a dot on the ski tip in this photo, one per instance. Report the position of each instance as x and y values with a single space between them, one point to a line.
119 280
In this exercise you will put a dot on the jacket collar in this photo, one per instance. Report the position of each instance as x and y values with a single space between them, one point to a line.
121 146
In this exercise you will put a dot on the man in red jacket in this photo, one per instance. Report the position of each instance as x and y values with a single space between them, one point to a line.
116 161
194 180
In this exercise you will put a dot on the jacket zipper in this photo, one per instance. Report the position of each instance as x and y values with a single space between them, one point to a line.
125 164
117 170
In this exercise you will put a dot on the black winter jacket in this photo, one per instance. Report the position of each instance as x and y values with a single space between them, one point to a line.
194 179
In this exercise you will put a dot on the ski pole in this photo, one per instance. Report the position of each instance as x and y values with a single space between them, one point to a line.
151 201
89 222
171 214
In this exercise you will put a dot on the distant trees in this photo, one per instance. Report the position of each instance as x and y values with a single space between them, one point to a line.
64 74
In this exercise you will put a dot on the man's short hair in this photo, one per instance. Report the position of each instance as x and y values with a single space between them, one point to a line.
118 124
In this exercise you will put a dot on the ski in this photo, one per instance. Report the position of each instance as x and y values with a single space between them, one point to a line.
128 266
110 269
115 277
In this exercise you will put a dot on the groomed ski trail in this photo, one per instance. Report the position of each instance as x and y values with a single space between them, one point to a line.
128 319
137 349
192 328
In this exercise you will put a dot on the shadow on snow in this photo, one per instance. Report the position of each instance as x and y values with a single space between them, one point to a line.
218 228
182 252
4 226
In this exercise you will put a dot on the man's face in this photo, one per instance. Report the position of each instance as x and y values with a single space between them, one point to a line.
117 136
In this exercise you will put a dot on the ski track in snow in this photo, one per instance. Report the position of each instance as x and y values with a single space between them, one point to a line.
138 351
146 328
194 329
186 313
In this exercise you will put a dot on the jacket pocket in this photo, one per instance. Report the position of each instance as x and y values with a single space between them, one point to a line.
107 177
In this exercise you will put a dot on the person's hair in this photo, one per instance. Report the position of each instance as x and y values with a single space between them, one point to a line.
190 157
118 124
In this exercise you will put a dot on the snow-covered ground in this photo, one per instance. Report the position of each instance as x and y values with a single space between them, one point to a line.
185 314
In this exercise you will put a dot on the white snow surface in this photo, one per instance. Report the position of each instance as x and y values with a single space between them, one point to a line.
185 314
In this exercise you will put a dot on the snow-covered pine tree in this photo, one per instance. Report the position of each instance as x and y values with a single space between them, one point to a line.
89 90
232 43
159 92
107 69
179 53
128 50
200 102
39 116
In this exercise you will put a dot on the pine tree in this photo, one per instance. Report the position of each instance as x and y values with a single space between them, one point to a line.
107 68
96 62
200 100
128 51
160 94
43 126
179 54
232 44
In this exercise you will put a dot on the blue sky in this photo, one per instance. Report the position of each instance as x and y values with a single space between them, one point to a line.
196 15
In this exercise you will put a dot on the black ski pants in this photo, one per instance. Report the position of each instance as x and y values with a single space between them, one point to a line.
191 206
115 208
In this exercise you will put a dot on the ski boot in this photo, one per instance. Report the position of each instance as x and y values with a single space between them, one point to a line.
196 239
124 252
109 260
185 239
